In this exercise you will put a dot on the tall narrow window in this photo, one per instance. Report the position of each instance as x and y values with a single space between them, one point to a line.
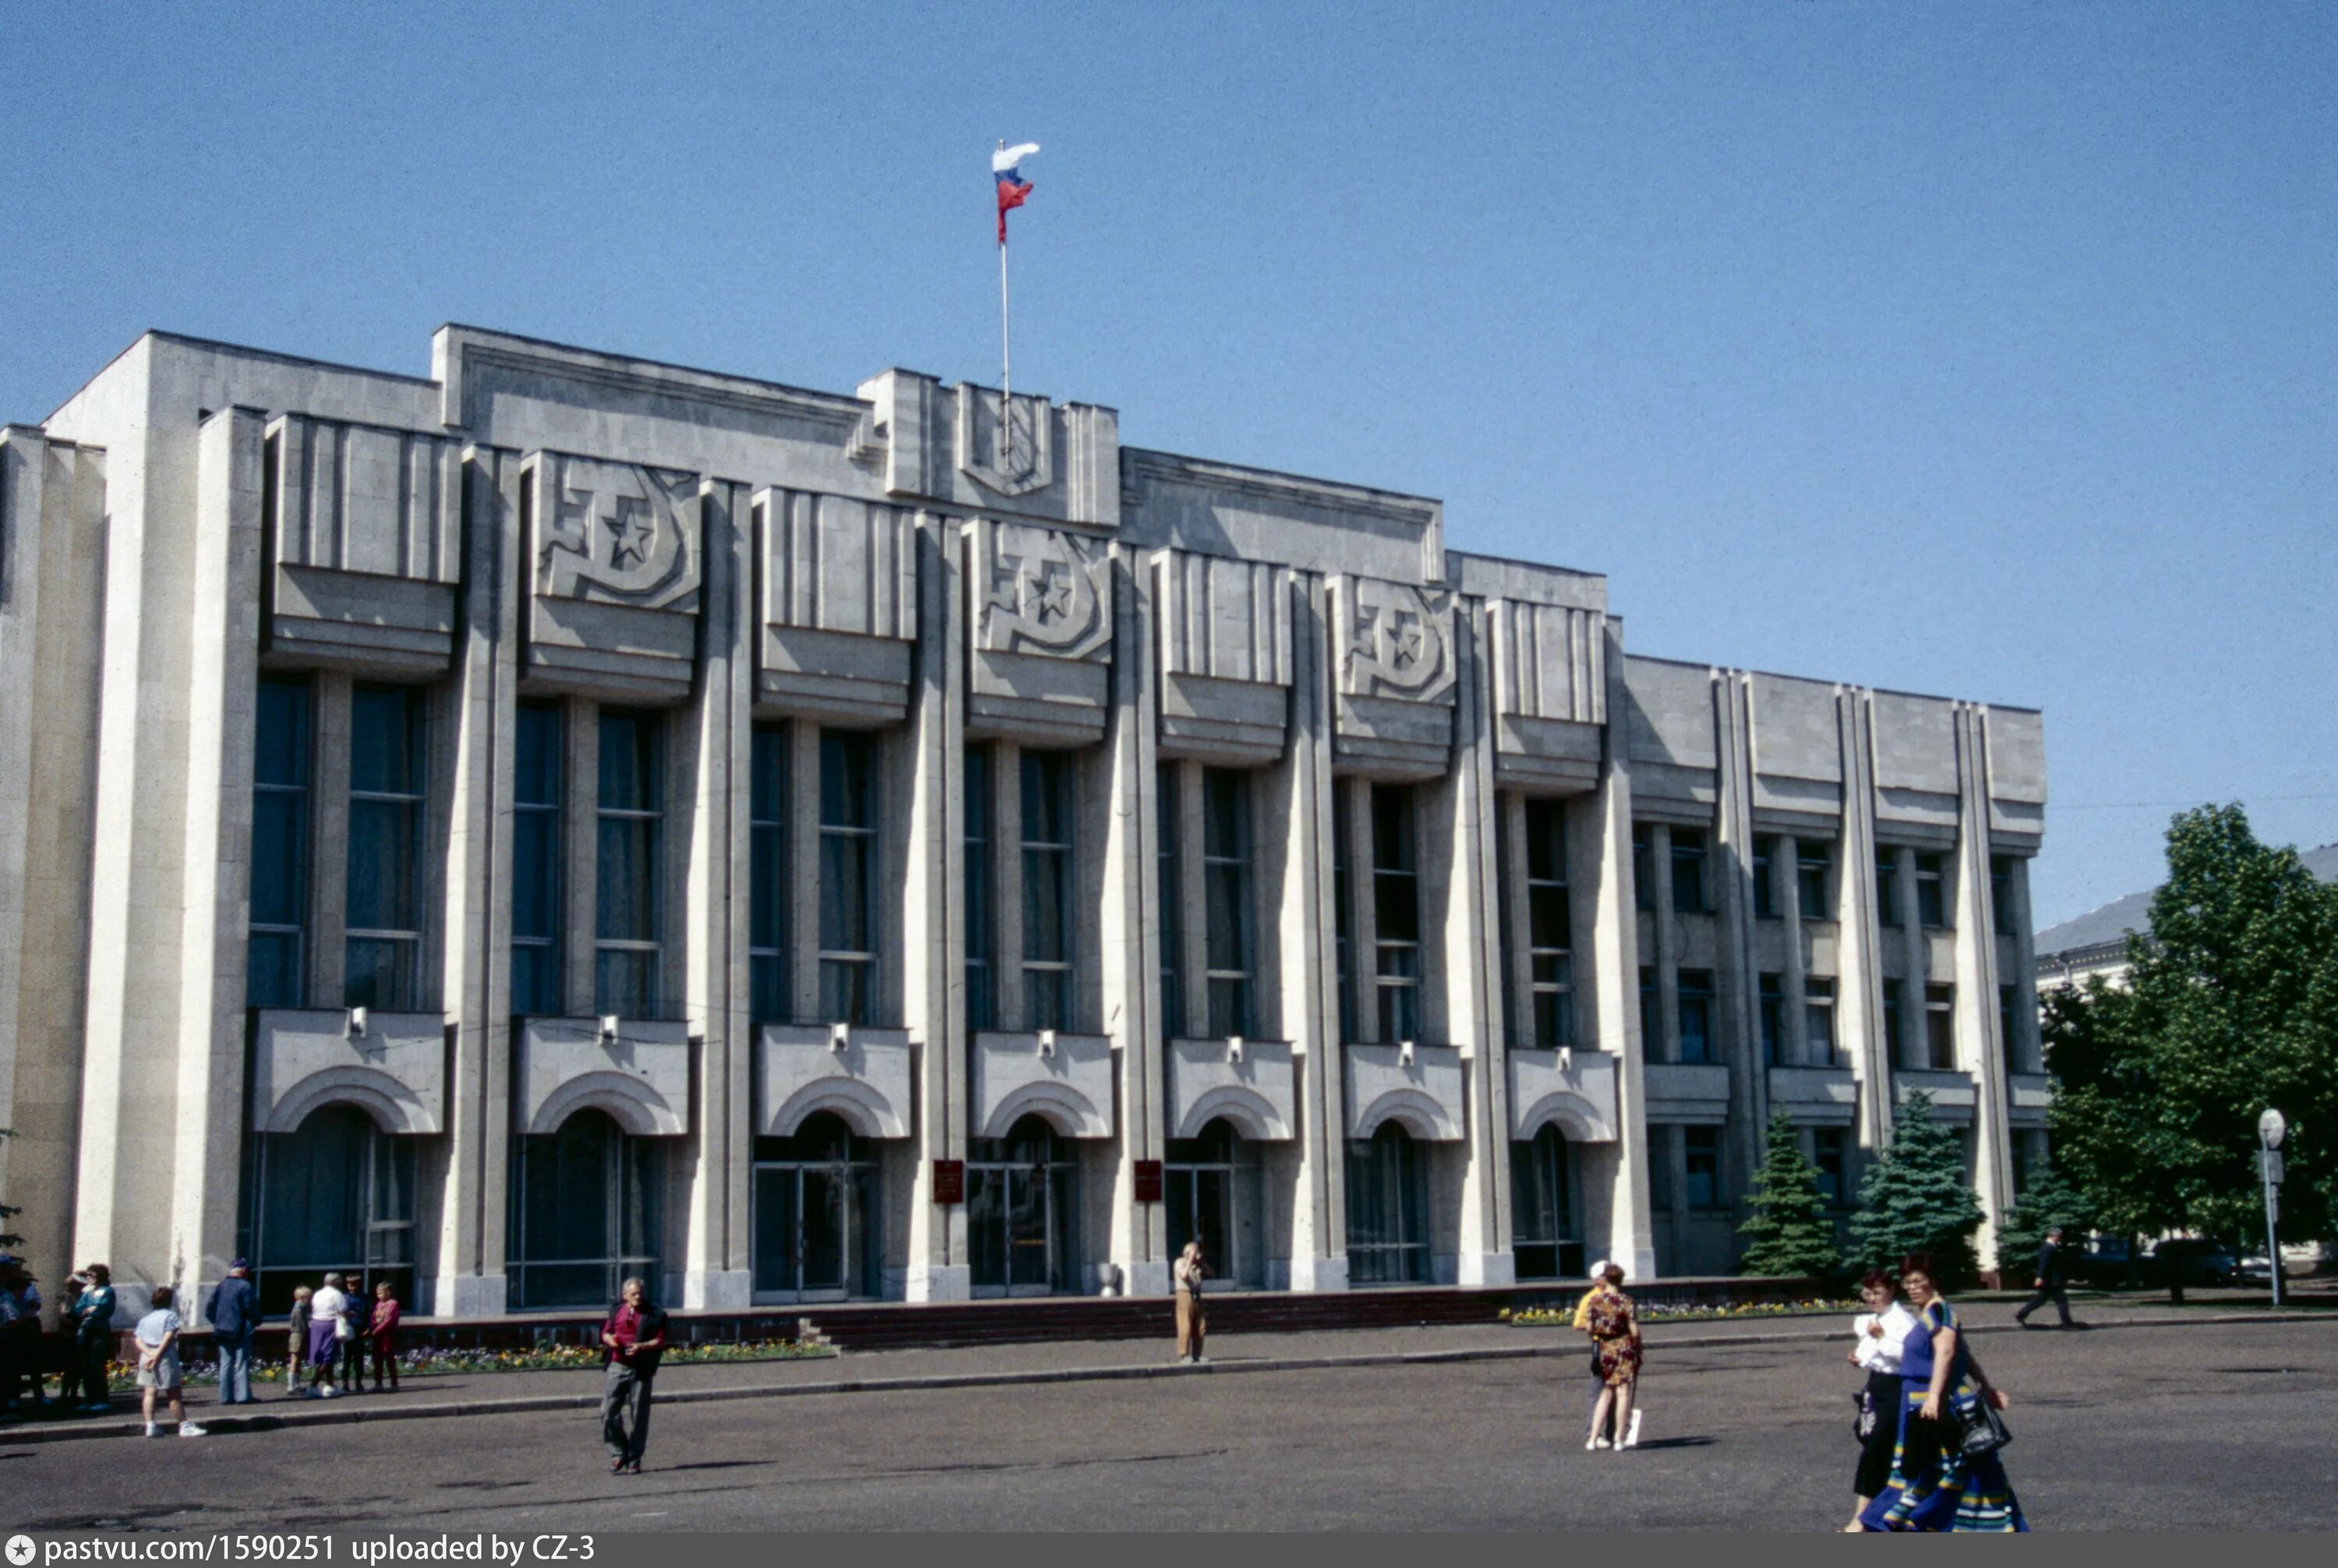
1895 1031
1343 912
536 897
1688 871
1701 1164
1651 1021
1887 886
848 878
1695 1015
2008 1012
1773 1020
1170 819
384 895
279 845
1765 874
1828 1154
1818 1020
1396 913
2001 892
1931 890
1047 937
1226 898
769 896
1550 931
981 990
629 925
1940 1026
1814 879
1643 866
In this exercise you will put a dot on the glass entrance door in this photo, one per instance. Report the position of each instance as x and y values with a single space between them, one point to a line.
1212 1187
815 1215
1388 1210
1021 1212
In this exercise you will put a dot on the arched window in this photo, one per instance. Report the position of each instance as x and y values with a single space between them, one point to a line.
817 1213
1388 1210
336 1194
1543 1233
1022 1211
585 1212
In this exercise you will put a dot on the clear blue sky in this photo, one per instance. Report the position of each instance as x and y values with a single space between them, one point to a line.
1984 349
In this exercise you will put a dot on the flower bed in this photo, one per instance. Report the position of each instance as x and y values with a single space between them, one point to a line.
1557 1318
428 1362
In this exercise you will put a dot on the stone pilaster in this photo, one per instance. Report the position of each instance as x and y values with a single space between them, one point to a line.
1975 1022
1302 786
1858 980
1615 983
1129 972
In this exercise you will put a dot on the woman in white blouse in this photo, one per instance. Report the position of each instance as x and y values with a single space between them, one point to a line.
1882 1329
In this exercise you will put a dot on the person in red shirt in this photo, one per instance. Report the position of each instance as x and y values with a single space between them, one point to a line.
634 1339
383 1332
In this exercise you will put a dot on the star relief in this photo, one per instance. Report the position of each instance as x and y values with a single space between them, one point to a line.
632 531
1052 592
1411 639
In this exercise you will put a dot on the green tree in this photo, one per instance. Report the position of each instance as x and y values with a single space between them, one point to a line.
2231 1005
2049 1200
1915 1198
1788 1228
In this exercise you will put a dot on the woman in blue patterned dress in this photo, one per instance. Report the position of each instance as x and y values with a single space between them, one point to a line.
1934 1484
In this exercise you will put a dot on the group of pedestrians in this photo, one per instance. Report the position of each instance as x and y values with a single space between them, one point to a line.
329 1333
87 1306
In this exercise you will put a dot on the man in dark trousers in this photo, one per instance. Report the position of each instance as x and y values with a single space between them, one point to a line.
2048 1284
634 1338
234 1313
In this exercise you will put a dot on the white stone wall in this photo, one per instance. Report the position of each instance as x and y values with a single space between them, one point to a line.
536 522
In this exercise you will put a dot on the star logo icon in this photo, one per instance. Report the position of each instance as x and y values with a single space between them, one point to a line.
20 1550
632 531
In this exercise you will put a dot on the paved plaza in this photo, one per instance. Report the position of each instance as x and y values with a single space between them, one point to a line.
2132 1427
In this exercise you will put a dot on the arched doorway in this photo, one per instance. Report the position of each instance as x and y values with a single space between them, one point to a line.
585 1212
1022 1211
1544 1234
334 1195
816 1212
1212 1189
1387 1209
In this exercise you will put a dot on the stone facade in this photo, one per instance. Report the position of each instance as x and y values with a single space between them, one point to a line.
572 816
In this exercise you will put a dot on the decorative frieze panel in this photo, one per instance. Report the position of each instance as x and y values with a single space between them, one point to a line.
1695 1092
614 554
862 1075
1226 657
1419 1087
1040 622
1574 1091
1065 1079
1551 692
391 1065
1395 676
1249 1082
364 531
1815 1096
639 1075
970 447
836 587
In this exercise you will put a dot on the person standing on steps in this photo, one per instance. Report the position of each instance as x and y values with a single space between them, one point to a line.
234 1313
633 1339
2048 1284
1188 1273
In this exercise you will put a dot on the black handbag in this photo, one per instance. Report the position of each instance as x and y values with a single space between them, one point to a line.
1981 1428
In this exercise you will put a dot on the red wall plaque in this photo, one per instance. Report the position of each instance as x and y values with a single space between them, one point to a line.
950 1180
1148 1181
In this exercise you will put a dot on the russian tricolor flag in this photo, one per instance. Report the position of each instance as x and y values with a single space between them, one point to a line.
1013 188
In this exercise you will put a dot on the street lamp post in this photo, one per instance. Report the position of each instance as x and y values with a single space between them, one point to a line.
2272 1127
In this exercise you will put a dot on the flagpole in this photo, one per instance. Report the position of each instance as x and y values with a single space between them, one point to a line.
1005 366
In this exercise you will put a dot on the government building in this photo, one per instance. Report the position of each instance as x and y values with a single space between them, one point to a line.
570 817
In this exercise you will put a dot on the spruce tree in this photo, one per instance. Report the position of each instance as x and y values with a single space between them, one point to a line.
1788 1228
1915 1198
2048 1200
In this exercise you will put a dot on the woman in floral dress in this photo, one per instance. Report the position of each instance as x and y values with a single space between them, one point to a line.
1614 1330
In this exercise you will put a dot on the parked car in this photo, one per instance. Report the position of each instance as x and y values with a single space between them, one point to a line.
2192 1261
2103 1263
2252 1271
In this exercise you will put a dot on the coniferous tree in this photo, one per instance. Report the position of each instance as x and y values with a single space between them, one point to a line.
2049 1199
1915 1197
1788 1227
